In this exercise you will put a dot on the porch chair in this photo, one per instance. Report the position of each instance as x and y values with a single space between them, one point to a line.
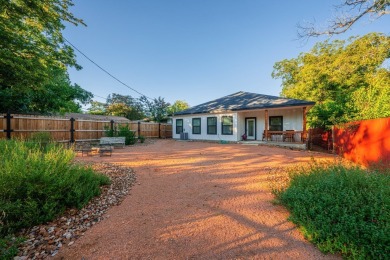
268 137
288 136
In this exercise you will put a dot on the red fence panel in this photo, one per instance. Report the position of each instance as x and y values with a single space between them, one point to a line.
320 137
365 142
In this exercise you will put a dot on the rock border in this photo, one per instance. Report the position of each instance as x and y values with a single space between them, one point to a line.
47 239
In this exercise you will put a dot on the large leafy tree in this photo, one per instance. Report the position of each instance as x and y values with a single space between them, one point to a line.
156 108
178 105
124 105
97 108
32 48
59 95
347 79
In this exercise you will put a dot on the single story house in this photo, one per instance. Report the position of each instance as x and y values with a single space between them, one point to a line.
244 115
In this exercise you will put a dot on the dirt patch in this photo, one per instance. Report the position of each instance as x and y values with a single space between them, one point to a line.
199 201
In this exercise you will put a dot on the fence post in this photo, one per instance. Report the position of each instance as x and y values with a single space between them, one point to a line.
159 130
309 139
333 141
72 130
139 128
8 129
112 127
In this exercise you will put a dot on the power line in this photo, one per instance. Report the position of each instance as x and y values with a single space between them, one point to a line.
99 97
108 73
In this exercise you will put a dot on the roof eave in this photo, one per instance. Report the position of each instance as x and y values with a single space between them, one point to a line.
309 103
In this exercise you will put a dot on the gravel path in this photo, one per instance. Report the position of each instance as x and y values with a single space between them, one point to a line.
195 200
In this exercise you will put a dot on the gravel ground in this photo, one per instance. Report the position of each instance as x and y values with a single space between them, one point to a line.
196 200
46 240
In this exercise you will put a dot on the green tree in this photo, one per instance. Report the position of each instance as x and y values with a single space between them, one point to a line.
97 108
32 48
59 95
127 106
177 106
157 108
347 79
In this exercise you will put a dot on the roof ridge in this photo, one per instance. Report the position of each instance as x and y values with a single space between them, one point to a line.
242 100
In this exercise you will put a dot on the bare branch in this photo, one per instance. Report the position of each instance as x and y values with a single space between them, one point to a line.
348 14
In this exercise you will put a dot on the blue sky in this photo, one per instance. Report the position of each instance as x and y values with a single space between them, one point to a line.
193 50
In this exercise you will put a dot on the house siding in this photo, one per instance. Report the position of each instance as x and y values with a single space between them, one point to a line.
187 127
292 120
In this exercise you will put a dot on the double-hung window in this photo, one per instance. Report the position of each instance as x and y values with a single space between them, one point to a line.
179 126
227 125
212 125
196 124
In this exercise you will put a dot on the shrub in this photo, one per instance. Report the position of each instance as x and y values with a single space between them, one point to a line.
109 132
341 209
141 139
9 246
123 130
37 185
40 137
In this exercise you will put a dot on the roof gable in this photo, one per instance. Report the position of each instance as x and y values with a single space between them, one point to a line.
243 101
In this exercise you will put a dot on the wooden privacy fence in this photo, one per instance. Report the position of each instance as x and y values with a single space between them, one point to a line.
64 129
366 142
320 137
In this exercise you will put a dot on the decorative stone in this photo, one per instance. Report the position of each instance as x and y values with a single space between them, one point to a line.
46 240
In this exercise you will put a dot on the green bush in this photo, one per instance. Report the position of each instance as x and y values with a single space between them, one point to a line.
37 185
341 209
109 132
123 130
41 137
9 246
141 139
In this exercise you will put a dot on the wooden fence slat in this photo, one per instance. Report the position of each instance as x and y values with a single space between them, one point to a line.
24 125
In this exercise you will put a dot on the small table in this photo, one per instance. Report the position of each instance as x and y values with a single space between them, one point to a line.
105 150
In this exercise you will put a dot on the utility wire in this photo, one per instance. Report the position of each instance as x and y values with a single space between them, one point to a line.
99 97
108 73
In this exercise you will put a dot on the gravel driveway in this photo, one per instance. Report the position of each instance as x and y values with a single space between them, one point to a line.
196 200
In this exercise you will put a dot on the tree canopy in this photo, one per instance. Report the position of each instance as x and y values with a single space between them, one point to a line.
127 106
347 79
177 106
142 108
156 109
33 55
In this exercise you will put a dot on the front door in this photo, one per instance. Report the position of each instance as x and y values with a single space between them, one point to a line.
250 128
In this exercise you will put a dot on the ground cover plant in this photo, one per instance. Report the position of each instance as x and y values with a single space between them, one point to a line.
38 183
341 209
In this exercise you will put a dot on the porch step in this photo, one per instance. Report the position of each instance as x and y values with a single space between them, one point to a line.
298 146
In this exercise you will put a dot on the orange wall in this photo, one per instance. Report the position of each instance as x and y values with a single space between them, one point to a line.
365 142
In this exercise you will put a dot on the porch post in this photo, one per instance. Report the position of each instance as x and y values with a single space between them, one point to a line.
266 125
304 124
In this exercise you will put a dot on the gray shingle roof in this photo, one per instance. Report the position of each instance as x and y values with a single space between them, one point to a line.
243 101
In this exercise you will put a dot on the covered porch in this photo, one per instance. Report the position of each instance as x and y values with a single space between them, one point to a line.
280 126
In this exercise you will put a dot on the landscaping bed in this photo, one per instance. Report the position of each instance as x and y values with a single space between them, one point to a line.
47 239
340 208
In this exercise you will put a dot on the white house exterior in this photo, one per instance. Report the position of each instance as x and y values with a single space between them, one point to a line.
255 115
